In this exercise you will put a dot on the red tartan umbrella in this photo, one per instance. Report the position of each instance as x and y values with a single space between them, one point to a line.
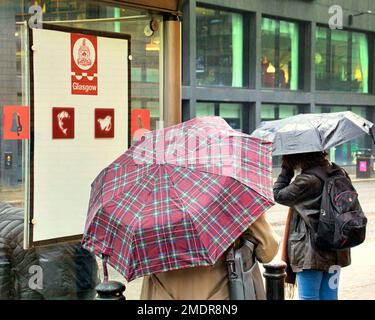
179 198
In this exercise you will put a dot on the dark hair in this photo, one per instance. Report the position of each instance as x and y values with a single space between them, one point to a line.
305 161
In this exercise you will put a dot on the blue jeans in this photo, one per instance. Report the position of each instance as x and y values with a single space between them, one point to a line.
318 285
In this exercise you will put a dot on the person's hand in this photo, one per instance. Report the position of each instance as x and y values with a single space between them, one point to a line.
287 171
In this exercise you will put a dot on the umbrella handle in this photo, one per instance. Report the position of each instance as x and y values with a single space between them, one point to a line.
371 134
105 269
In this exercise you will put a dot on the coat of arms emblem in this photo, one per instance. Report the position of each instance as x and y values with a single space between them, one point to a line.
84 54
84 64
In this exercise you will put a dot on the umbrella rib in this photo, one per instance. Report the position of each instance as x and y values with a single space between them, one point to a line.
147 180
135 189
183 206
176 200
166 167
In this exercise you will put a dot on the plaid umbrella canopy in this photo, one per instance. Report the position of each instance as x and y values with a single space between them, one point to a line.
178 198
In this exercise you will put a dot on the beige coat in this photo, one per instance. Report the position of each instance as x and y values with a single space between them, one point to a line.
208 283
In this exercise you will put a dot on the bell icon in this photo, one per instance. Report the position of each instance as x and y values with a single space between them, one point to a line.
16 123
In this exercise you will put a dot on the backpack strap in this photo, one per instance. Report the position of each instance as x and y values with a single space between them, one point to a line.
337 168
371 134
325 173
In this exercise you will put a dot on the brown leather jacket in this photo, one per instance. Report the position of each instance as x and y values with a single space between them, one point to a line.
304 195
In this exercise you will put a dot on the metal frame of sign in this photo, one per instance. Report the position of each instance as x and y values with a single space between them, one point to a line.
29 212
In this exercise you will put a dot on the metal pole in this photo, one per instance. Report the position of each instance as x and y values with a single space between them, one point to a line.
172 70
275 277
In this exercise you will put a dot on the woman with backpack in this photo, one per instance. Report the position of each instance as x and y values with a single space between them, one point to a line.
317 270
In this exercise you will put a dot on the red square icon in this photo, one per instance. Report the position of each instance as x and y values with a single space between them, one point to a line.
16 122
140 123
104 123
62 123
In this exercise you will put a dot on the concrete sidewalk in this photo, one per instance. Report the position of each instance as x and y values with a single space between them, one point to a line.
356 180
358 280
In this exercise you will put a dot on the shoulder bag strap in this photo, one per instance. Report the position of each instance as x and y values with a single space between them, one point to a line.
230 260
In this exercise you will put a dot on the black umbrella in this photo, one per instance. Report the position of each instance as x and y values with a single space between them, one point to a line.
313 132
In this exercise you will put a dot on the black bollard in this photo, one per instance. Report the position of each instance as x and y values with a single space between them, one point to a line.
110 290
275 278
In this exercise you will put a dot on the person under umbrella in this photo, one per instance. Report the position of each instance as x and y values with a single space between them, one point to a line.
302 140
311 267
211 282
180 198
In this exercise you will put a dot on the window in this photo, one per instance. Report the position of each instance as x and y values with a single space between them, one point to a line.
234 113
219 48
271 112
275 112
341 60
345 154
280 42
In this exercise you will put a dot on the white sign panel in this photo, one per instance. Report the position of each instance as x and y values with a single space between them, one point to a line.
80 109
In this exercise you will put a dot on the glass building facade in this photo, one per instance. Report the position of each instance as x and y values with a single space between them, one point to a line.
250 62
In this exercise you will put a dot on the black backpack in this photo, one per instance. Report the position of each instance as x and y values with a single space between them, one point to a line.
342 222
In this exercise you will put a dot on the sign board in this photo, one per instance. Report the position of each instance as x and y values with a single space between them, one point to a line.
171 6
362 166
16 122
139 123
79 82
